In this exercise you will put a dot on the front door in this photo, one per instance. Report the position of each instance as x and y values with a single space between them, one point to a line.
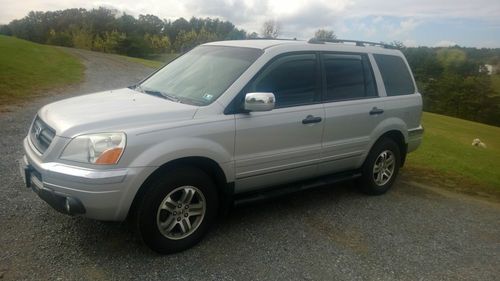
284 144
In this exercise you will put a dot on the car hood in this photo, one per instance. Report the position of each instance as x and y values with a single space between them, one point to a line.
111 110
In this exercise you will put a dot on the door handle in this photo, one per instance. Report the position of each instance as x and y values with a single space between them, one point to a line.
376 111
311 119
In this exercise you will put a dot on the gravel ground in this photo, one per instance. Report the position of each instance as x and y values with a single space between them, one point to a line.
333 233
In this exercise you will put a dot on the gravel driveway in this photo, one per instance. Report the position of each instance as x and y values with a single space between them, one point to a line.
333 233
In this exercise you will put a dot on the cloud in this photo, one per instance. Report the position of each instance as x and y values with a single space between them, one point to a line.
368 30
246 10
410 43
373 19
377 19
405 26
485 9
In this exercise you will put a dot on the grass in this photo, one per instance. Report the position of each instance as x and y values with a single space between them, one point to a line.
446 154
148 63
495 80
27 68
156 61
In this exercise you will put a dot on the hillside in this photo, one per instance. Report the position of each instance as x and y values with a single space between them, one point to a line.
448 158
27 68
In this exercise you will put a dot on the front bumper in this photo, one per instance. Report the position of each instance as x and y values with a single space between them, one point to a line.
61 202
97 194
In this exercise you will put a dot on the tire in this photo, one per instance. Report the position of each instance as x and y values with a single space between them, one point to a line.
377 183
185 193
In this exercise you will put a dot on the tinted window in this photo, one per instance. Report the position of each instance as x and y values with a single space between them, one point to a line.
347 77
397 78
292 79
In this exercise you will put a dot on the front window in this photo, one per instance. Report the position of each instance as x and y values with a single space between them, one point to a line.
200 76
292 79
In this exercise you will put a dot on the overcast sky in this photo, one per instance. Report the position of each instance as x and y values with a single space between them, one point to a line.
423 22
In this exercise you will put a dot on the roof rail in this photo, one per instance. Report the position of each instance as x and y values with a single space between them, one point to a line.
279 39
357 42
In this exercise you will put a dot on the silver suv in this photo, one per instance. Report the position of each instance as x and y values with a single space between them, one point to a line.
227 123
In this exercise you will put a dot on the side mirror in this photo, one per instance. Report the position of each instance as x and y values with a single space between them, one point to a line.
259 101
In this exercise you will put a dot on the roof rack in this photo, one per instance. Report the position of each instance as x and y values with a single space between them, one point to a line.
357 42
278 39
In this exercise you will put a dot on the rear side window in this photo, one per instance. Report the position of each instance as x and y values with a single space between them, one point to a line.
347 77
292 79
396 76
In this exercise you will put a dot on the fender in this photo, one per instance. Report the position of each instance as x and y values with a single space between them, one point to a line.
176 148
389 124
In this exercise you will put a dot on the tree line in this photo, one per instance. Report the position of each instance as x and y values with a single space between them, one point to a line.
110 31
454 82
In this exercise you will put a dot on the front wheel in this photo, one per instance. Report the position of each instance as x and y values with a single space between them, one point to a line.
177 210
380 168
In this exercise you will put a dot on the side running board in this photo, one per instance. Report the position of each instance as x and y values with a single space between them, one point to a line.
277 191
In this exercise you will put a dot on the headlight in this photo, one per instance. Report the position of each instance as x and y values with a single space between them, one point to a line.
104 149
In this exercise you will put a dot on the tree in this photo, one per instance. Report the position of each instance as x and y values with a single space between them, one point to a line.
271 29
185 41
398 45
5 30
174 28
253 35
324 35
82 38
158 44
236 34
61 38
150 24
127 24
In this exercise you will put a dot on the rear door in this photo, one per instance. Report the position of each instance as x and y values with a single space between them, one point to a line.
401 98
352 112
281 145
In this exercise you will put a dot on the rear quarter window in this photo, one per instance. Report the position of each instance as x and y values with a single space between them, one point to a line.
395 74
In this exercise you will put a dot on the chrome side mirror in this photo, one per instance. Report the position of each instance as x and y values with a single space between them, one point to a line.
259 101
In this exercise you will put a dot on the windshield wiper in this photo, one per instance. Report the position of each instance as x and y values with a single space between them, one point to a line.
157 94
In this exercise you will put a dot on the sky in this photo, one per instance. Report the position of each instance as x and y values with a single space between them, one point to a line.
415 23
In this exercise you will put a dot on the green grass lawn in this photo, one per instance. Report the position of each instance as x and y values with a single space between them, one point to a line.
27 68
155 62
148 63
495 80
447 154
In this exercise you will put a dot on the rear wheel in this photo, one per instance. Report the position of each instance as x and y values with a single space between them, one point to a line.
381 167
177 210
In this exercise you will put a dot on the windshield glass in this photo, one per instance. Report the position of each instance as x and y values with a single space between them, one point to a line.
200 76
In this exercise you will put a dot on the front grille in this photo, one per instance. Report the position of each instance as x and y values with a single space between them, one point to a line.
41 135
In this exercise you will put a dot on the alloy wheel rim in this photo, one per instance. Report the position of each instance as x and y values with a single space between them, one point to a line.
384 166
181 212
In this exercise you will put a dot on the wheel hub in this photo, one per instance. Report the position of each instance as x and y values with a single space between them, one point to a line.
383 168
181 212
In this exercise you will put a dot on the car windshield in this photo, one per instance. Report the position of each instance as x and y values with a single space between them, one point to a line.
200 76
